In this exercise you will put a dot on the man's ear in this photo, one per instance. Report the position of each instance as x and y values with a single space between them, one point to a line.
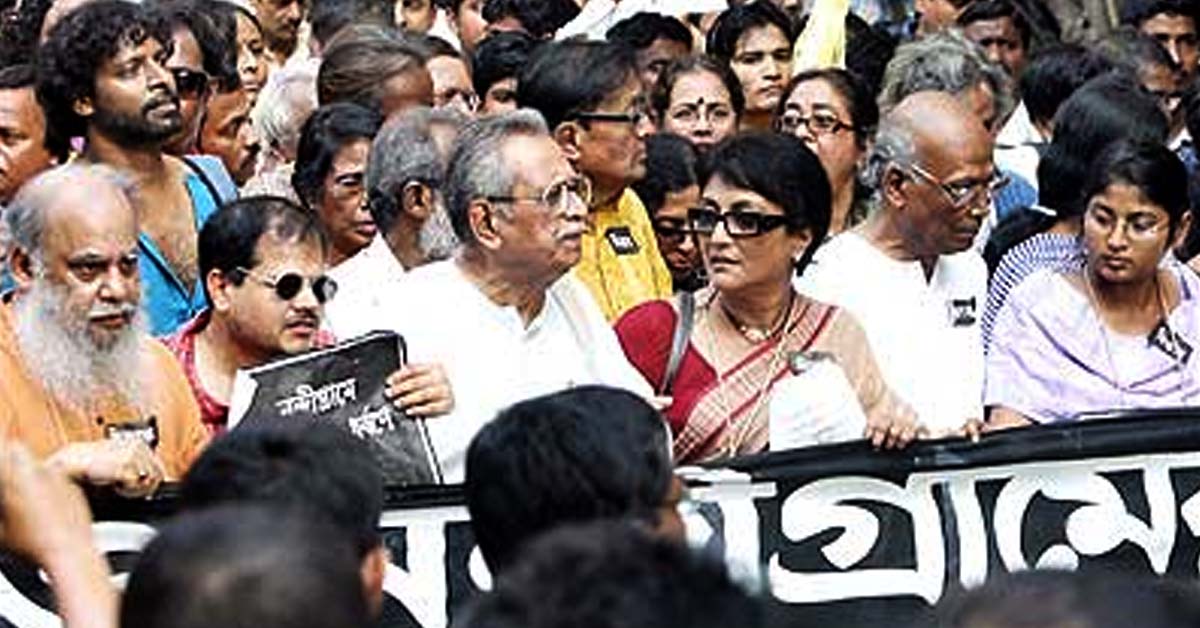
892 184
83 107
218 285
417 200
568 136
20 264
483 225
372 571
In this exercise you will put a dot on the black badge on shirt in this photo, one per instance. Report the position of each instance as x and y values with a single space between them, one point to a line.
1165 339
962 312
145 431
621 240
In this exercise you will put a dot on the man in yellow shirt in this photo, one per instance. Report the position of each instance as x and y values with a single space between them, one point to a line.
593 102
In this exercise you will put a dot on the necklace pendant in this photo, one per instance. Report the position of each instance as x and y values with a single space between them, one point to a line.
754 335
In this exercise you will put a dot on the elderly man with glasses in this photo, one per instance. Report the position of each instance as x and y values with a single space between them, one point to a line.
505 316
909 274
263 260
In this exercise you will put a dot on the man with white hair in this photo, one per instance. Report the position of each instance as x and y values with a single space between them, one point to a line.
83 386
289 97
505 317
404 174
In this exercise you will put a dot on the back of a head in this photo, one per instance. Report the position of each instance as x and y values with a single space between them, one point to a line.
311 467
1131 51
540 18
641 30
245 566
569 77
329 17
1056 599
575 456
610 575
670 167
499 56
1056 73
943 62
404 151
360 60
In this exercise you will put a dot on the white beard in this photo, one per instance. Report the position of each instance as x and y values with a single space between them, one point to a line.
436 240
60 353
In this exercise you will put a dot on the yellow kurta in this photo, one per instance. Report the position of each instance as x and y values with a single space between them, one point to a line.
621 265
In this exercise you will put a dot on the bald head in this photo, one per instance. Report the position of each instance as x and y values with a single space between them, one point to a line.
932 119
63 195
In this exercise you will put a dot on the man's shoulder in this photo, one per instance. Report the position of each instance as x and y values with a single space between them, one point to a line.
966 269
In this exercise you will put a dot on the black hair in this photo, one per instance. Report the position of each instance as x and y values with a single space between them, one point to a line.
1108 108
24 76
438 47
229 238
329 17
1054 74
985 10
868 51
569 77
660 96
1153 169
611 574
641 30
499 56
325 132
85 38
245 566
540 18
215 33
310 467
671 164
574 456
20 28
1048 599
864 111
737 20
1134 12
781 169
1129 50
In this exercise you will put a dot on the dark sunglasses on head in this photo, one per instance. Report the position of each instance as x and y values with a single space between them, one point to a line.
189 84
739 224
288 285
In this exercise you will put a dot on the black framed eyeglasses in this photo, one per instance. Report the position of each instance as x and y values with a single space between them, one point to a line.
634 118
817 124
288 285
558 195
189 83
673 230
703 221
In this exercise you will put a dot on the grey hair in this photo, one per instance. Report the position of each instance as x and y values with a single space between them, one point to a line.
25 217
943 62
404 151
287 99
895 143
477 165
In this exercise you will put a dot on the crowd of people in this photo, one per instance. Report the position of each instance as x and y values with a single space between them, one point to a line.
610 237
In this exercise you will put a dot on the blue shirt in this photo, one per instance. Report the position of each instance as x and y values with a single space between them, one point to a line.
166 301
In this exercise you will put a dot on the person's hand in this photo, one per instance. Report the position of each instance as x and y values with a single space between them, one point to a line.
894 431
421 390
44 514
129 466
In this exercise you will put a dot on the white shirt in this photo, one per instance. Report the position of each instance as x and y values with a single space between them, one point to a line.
925 334
597 16
1016 143
363 282
491 357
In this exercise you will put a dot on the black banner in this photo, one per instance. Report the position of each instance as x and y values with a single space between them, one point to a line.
841 535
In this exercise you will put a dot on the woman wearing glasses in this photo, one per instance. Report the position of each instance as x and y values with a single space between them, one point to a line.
1120 332
752 341
835 115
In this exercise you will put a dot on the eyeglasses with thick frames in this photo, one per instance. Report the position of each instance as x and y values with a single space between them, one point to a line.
962 195
817 124
558 195
703 221
672 230
288 285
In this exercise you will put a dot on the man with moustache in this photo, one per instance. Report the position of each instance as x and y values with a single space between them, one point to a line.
101 75
505 316
83 387
909 274
280 21
591 96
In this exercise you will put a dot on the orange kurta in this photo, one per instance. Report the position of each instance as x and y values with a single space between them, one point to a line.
28 414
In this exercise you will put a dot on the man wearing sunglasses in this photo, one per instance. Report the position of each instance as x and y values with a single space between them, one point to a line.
591 96
909 274
102 75
263 260
505 316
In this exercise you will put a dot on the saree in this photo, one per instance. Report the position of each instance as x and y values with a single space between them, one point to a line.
714 416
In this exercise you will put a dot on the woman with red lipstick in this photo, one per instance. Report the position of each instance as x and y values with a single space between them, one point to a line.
331 163
1121 331
750 336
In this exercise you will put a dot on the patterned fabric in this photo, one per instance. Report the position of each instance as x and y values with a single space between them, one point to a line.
1055 251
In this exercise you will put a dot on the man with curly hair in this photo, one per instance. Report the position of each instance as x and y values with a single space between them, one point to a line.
102 76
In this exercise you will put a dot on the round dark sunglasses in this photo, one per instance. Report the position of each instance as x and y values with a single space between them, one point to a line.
288 285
